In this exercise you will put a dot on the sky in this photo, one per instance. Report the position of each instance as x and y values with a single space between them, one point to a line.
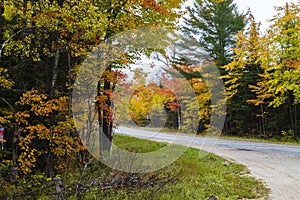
262 10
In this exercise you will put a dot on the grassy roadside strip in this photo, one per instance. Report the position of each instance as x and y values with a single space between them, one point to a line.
227 137
269 140
189 177
196 178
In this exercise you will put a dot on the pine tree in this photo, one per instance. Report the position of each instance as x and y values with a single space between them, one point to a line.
243 71
213 25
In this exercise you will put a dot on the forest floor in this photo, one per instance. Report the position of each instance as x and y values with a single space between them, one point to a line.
275 164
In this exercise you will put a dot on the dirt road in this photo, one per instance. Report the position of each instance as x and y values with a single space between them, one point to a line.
276 165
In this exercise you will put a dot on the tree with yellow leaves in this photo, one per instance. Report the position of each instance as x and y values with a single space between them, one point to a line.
280 58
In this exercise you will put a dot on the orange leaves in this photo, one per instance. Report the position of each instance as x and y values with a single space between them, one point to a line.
27 161
291 64
151 98
31 97
152 4
35 127
173 106
27 158
39 104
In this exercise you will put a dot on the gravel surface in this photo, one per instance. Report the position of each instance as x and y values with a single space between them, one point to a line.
276 165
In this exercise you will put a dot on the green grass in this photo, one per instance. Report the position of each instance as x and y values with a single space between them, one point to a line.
266 140
190 177
240 138
198 178
137 145
163 129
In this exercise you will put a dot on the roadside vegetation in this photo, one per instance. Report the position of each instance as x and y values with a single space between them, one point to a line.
285 138
190 177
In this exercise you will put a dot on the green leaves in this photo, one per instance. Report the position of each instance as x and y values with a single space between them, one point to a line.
212 25
280 57
265 73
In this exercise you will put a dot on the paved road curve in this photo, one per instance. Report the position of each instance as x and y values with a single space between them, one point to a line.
277 165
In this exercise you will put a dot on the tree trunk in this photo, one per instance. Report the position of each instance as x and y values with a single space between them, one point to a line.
104 114
60 189
54 72
15 140
106 128
16 135
69 104
262 120
291 115
296 131
49 167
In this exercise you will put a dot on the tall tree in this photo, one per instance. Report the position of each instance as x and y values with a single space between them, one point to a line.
280 59
134 14
212 24
241 72
47 40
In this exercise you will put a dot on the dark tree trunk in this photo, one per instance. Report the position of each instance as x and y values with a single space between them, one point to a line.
15 142
105 113
263 127
290 99
50 156
1 21
296 128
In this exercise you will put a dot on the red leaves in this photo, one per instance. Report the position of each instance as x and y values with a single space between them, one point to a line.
108 92
291 64
173 106
152 4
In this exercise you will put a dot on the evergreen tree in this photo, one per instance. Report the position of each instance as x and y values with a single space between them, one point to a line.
213 25
243 71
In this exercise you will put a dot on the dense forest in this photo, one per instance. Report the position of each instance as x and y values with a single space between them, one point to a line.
44 43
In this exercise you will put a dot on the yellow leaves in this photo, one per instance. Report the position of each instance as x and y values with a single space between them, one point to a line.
22 117
39 130
39 104
27 158
31 97
4 81
199 86
10 11
5 162
34 126
5 119
27 161
279 58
